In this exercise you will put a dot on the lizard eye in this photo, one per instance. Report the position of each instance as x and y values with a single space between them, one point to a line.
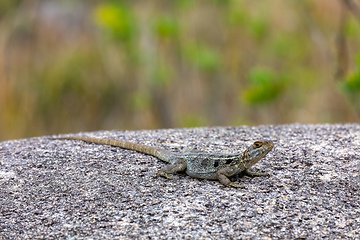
257 144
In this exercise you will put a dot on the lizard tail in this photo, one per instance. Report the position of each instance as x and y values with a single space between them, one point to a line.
153 151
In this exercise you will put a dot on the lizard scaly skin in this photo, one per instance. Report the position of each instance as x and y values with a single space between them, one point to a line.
216 166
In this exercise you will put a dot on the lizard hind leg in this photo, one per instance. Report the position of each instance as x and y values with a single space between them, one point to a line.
169 169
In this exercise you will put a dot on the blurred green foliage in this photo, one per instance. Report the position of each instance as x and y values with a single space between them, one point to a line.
161 76
351 85
259 28
166 27
352 28
264 87
117 19
70 66
7 6
204 58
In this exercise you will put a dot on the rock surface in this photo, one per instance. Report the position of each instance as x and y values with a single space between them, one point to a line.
63 189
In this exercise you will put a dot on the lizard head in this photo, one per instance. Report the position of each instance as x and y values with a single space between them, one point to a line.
256 151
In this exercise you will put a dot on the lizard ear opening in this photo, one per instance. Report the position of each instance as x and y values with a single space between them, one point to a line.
257 144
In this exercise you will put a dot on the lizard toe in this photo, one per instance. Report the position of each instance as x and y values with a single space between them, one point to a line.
235 184
166 175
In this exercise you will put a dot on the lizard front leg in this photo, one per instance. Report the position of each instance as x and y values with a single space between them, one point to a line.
223 174
169 169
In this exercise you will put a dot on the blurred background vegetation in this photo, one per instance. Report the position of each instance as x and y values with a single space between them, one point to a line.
69 66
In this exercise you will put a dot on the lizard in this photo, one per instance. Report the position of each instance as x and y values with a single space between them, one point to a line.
211 166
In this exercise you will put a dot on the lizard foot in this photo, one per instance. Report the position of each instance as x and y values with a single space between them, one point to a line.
161 173
235 184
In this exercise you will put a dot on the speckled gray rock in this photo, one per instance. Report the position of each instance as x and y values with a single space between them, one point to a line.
56 189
